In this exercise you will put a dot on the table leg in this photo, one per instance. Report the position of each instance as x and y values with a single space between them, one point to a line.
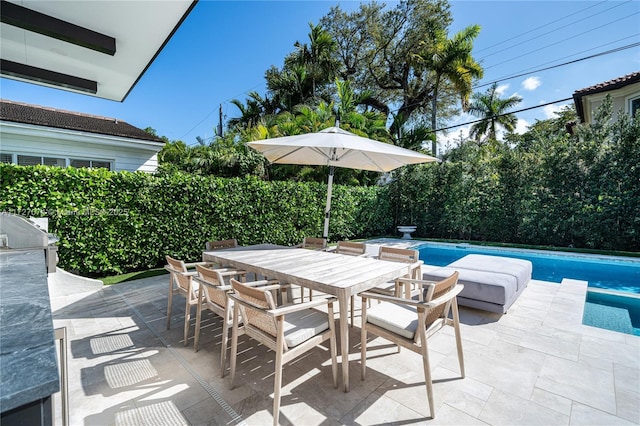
343 301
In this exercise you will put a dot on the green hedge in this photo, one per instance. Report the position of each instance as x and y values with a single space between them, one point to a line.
115 222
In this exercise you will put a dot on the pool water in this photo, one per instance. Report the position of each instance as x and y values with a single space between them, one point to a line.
610 278
612 311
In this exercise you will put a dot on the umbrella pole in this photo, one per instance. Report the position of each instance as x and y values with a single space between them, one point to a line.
327 210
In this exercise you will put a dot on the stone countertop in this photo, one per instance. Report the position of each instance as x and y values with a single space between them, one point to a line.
28 356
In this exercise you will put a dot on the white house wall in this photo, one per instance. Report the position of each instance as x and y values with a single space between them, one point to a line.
620 100
123 153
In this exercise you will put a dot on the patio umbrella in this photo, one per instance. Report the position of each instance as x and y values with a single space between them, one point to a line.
335 147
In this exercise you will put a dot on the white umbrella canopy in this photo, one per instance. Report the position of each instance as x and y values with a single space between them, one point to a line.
336 147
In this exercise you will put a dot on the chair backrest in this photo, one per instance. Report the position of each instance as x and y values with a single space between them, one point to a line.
221 244
437 290
314 243
178 266
351 248
257 301
394 254
213 277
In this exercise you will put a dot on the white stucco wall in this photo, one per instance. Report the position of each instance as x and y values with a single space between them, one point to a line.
123 153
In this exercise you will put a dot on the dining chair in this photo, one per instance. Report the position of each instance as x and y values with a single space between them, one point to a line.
221 244
409 323
414 264
288 330
312 243
181 282
352 249
212 295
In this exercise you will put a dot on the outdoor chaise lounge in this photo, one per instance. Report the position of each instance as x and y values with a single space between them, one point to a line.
491 283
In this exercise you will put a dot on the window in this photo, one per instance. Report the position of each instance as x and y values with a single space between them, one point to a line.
6 158
101 165
32 160
634 106
50 161
29 160
95 164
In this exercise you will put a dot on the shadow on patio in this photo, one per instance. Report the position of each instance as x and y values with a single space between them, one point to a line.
530 366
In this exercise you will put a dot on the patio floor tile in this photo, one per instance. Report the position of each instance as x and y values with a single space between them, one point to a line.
535 365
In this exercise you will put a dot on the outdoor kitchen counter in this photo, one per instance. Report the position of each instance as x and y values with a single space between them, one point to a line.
28 360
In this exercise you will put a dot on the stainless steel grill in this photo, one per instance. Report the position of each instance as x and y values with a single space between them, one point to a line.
22 233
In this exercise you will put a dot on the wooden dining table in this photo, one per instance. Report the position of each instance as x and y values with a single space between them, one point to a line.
336 274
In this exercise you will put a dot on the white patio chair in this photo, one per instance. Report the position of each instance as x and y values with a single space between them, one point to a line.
409 323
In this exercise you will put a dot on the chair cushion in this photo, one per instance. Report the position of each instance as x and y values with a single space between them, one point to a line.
303 325
398 319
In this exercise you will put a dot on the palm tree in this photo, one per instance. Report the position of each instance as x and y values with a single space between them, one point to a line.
450 60
492 110
317 56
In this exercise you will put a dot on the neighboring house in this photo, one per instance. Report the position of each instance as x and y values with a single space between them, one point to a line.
624 91
32 134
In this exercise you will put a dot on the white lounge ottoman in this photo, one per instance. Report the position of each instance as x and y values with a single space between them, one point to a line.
491 283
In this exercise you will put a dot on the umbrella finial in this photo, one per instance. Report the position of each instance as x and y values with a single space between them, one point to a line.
338 121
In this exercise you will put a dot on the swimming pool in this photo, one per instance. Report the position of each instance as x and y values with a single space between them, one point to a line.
605 272
613 301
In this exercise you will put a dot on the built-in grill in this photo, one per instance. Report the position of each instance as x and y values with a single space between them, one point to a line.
22 233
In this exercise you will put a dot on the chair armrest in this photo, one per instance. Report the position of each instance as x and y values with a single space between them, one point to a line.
193 264
231 272
415 281
186 274
410 302
287 309
391 299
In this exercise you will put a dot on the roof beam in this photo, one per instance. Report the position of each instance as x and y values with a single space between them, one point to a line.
28 19
28 72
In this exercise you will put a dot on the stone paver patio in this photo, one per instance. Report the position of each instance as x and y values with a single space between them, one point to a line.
536 365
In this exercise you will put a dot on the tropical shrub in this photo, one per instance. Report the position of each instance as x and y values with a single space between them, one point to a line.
114 222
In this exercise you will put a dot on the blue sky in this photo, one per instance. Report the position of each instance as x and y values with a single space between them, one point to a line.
224 47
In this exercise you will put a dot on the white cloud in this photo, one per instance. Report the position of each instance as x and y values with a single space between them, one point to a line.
550 110
501 89
522 126
531 83
452 138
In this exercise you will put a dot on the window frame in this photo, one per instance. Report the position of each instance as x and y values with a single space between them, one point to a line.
67 160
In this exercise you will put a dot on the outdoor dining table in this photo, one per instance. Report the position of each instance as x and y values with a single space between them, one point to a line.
335 274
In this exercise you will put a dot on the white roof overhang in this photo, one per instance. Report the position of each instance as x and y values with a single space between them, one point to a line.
98 47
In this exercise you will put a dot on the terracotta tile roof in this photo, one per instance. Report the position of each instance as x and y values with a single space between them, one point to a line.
42 116
610 85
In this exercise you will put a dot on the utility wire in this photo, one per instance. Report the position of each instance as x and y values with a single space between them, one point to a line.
540 27
214 110
595 55
566 39
608 52
512 59
500 115
552 31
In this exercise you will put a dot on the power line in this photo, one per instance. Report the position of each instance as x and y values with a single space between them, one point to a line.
224 102
554 30
537 28
608 52
500 115
566 39
595 55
